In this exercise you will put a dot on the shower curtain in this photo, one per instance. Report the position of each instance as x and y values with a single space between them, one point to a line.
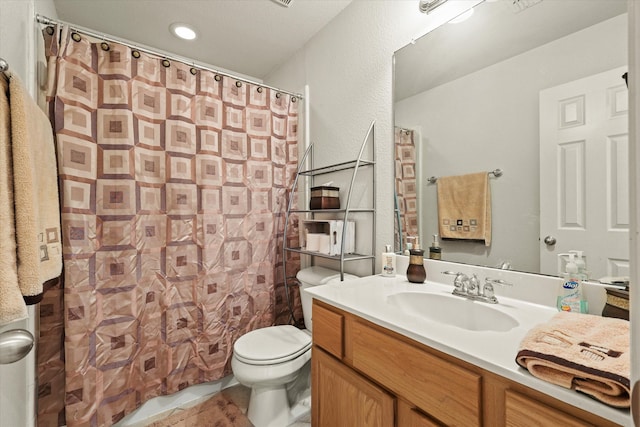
406 200
174 183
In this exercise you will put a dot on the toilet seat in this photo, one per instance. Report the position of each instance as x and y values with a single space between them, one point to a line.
271 345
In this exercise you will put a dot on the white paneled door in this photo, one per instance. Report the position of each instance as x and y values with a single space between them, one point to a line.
584 174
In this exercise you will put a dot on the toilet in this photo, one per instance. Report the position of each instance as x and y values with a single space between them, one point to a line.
275 361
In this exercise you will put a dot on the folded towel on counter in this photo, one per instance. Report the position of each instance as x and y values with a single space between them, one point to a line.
31 164
12 305
583 352
464 207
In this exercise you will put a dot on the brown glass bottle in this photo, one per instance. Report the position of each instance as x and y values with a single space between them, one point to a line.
416 272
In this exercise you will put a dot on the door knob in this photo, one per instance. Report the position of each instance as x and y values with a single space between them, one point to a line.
14 345
550 240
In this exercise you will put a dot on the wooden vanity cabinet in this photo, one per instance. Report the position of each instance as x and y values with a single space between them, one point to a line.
343 398
365 375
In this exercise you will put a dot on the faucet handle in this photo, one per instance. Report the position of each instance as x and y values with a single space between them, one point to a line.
460 282
488 290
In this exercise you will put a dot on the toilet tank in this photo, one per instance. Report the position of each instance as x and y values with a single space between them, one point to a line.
314 276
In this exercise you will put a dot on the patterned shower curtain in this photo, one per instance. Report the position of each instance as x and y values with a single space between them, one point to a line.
174 183
406 222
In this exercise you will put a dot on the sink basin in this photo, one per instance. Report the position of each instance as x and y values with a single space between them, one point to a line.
453 311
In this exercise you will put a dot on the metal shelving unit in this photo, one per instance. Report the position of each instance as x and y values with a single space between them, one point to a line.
343 214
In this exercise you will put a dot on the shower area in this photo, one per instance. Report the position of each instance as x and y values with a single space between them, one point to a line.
174 180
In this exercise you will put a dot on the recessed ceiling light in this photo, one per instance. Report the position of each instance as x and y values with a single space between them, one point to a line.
182 31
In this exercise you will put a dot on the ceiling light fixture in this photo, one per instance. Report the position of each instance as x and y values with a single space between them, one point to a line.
182 31
428 6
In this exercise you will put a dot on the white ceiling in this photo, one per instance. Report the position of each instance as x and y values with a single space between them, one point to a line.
250 37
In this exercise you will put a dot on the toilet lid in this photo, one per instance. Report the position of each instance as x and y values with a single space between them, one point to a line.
275 344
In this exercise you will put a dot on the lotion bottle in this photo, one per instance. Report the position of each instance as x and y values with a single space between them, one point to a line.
570 296
388 262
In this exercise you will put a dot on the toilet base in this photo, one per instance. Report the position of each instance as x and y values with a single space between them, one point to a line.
268 407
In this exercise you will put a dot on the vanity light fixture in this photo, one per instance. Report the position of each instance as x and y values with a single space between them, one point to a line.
428 6
182 31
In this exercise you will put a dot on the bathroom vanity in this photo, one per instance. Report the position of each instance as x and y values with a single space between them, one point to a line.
377 362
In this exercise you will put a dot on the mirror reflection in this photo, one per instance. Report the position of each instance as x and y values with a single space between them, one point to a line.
537 93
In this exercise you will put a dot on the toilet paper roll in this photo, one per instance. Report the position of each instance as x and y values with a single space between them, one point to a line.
313 242
324 244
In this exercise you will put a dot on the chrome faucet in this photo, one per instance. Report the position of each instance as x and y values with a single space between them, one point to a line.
471 287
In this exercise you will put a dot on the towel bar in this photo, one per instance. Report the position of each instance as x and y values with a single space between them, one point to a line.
496 172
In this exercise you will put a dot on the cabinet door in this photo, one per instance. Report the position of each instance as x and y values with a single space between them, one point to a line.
523 411
328 330
409 417
343 398
447 392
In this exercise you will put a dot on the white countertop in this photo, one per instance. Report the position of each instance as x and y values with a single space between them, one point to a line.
493 351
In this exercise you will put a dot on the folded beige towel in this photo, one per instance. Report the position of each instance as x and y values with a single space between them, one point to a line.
12 306
582 352
31 164
464 207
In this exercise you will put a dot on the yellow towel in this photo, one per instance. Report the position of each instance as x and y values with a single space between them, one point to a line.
12 306
464 207
35 204
582 352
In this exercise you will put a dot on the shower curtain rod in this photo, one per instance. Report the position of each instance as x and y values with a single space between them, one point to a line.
157 52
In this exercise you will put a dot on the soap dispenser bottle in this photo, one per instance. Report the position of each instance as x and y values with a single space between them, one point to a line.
570 296
388 262
416 272
435 251
581 264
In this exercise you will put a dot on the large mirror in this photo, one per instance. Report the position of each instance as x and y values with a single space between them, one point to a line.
527 90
